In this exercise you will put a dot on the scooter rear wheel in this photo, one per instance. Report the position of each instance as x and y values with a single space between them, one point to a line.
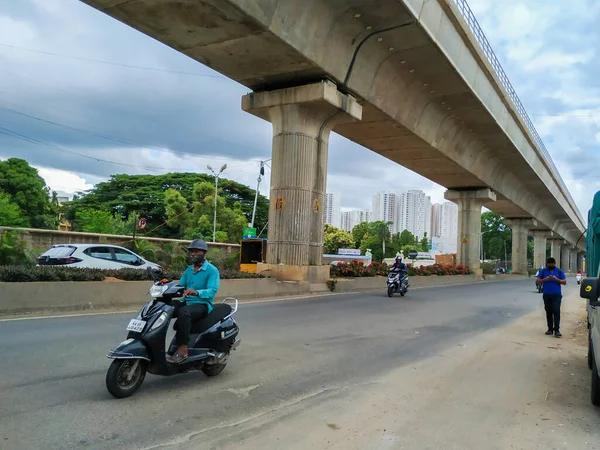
213 370
117 381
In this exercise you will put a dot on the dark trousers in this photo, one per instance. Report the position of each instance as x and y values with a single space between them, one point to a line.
186 315
552 306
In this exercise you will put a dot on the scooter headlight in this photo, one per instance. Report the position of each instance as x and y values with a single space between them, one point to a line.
157 291
161 319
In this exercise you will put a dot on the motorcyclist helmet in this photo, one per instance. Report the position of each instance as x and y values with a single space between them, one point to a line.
198 244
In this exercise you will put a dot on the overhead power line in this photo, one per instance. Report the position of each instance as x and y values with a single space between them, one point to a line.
111 63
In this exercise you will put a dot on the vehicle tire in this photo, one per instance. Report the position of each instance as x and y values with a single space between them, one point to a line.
213 370
390 291
595 391
402 294
590 352
116 377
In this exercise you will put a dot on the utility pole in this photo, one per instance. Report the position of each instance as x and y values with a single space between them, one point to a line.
260 175
216 193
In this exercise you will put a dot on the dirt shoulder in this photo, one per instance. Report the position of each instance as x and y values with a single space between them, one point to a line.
511 388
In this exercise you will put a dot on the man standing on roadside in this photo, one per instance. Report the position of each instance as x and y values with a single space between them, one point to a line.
552 279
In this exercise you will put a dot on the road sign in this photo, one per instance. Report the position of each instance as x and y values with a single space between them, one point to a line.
142 223
249 233
413 254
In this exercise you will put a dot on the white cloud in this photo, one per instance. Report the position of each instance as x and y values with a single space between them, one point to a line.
64 181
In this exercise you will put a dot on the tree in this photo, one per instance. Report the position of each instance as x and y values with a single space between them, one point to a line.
10 214
424 244
334 239
359 231
407 238
103 222
175 207
29 192
122 195
494 236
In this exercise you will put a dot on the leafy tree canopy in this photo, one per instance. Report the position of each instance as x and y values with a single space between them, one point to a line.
24 188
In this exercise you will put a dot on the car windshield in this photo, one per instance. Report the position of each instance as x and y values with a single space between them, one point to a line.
58 252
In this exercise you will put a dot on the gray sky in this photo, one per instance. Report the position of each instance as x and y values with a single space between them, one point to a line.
183 115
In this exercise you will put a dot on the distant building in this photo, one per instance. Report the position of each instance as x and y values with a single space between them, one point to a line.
332 210
414 213
355 217
436 220
385 209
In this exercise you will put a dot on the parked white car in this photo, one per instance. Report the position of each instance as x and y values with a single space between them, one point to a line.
93 256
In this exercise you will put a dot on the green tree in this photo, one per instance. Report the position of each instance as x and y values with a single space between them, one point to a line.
29 192
103 222
334 239
424 244
122 195
358 233
494 236
407 238
10 214
175 207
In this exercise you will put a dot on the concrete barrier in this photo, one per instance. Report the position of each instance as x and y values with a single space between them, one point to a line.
17 298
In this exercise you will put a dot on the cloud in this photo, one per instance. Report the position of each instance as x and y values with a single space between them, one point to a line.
112 117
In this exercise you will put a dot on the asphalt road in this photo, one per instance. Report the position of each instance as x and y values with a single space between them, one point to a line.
293 353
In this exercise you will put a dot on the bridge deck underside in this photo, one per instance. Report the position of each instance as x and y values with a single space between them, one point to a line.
268 44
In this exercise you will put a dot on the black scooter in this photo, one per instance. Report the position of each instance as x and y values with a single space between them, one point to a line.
211 341
397 281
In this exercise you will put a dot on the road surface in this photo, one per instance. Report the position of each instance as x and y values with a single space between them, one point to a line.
294 355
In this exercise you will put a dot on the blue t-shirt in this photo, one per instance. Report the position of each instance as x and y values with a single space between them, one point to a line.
552 287
205 281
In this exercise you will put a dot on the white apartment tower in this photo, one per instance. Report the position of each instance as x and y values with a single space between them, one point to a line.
332 210
385 208
436 220
414 213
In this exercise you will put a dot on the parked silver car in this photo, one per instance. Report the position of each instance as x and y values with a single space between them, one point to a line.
93 256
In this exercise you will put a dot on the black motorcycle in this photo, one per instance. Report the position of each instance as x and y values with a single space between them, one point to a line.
397 281
212 340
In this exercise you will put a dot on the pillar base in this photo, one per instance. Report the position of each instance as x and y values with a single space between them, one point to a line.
284 272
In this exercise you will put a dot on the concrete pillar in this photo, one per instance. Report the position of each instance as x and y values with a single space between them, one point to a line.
565 257
580 256
540 238
302 119
555 250
520 230
469 224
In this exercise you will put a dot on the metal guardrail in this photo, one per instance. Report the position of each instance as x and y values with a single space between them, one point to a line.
475 28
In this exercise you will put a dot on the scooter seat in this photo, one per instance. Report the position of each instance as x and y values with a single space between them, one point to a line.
219 312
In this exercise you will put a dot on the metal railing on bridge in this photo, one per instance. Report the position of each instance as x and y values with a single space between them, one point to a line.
475 28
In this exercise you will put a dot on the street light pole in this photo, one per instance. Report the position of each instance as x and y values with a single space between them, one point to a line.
216 193
260 175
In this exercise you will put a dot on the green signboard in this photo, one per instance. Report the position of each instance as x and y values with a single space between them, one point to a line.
249 233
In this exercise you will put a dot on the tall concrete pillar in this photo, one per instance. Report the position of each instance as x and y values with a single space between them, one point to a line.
302 119
555 249
565 252
520 230
540 238
580 256
469 224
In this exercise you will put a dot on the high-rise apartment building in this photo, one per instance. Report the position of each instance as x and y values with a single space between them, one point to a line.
414 213
332 210
436 220
385 208
354 217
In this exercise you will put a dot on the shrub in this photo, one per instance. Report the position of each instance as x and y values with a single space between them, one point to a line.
13 249
357 269
13 274
439 270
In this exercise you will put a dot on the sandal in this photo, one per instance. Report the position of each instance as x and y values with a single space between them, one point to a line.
178 358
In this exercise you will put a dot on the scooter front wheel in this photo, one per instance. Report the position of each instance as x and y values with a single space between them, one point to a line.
125 376
390 291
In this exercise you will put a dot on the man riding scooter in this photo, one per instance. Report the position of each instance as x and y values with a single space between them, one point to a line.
400 267
201 282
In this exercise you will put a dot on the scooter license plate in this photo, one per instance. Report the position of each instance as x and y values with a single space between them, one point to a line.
137 326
